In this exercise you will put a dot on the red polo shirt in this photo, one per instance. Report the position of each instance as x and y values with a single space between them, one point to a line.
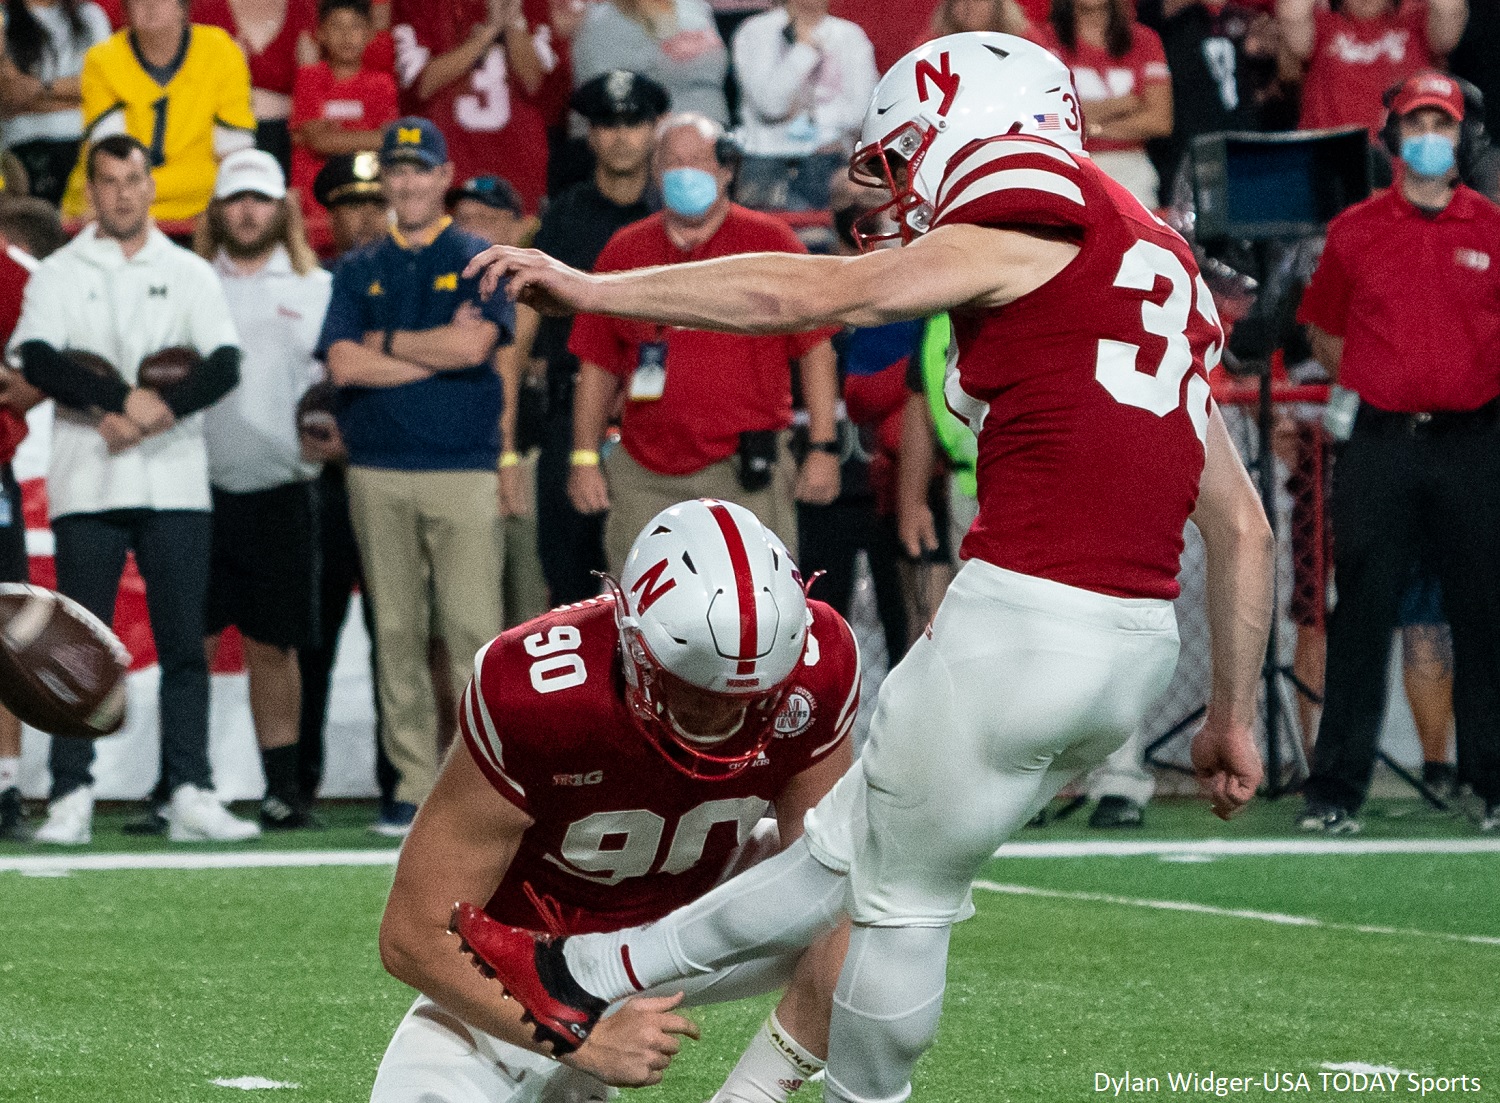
1416 300
718 384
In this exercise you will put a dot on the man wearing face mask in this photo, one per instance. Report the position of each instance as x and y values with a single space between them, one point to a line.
706 414
1404 310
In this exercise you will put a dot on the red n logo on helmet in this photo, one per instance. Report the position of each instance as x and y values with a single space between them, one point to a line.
946 81
648 582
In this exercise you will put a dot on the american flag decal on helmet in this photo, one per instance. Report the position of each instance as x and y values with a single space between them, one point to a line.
1046 122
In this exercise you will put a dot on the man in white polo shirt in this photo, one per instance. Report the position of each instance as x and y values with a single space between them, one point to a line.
129 469
263 565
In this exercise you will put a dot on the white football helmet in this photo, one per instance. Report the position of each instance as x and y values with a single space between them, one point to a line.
713 619
940 98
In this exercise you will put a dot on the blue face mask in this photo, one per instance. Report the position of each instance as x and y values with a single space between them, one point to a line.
689 192
1428 154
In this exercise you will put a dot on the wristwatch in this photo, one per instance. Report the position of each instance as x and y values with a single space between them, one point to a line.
385 342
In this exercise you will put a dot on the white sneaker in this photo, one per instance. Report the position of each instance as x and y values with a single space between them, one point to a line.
195 815
70 819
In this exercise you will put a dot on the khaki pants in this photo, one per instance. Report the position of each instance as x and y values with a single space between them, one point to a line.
636 495
526 594
432 550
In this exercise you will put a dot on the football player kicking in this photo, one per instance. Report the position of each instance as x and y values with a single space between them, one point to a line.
1084 336
618 755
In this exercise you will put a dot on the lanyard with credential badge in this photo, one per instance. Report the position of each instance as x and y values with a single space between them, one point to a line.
649 380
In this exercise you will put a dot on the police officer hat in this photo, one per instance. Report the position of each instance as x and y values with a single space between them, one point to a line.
621 98
349 178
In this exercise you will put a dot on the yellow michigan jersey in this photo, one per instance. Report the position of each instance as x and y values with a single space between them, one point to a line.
206 93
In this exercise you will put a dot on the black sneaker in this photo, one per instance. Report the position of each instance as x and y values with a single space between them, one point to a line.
1330 819
1491 821
1441 778
149 822
1117 812
13 817
277 815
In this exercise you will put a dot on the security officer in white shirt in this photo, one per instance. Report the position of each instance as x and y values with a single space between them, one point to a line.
262 574
129 469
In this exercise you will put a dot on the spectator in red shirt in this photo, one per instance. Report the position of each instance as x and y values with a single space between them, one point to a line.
277 37
338 106
31 231
706 414
1352 55
493 75
1404 310
1121 73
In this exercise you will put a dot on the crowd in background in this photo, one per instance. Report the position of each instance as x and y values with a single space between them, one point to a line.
461 464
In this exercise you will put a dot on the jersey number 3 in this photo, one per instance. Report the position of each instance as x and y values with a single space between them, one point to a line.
1117 367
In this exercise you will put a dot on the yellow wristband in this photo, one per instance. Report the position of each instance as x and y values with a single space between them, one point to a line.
510 459
584 457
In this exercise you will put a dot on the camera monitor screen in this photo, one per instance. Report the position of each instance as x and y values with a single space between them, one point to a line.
1263 186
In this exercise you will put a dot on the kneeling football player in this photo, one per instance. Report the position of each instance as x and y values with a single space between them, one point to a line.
617 758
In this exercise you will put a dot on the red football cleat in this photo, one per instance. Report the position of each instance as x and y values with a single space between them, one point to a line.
535 974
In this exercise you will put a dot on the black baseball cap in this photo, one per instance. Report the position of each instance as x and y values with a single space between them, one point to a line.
349 178
621 98
416 140
492 191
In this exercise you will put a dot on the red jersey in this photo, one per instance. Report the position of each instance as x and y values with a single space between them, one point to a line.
1416 300
493 126
620 835
1099 75
1355 60
366 101
719 385
13 276
1089 395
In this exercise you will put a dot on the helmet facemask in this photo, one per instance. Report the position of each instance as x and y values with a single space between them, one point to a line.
892 164
651 690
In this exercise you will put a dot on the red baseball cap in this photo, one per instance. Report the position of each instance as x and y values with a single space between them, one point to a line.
1429 89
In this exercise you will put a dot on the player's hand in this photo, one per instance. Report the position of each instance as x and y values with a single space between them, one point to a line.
587 490
119 433
634 1046
546 285
148 411
16 393
916 529
324 446
514 500
818 480
1227 765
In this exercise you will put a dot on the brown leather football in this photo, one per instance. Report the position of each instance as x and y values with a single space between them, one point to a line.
92 362
161 371
316 410
61 669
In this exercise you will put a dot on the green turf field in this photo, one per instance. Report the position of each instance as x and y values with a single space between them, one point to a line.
136 985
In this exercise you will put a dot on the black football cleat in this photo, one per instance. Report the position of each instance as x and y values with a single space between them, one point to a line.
13 826
535 975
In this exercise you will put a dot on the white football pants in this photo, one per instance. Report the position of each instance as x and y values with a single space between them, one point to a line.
1020 685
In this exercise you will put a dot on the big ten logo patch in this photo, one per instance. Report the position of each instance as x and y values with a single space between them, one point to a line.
796 714
593 777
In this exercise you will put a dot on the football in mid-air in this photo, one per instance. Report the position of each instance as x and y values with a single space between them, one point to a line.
61 668
161 371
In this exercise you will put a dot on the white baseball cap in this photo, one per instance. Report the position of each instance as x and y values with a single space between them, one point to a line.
250 170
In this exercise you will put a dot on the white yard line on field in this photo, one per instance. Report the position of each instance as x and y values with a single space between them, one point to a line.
51 864
1232 913
1223 848
55 862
